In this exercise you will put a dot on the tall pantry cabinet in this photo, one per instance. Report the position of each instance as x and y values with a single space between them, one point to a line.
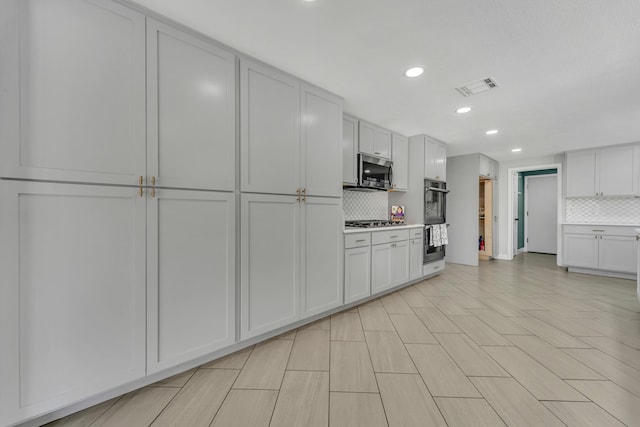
291 206
103 284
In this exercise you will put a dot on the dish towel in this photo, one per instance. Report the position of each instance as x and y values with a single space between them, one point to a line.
443 234
436 236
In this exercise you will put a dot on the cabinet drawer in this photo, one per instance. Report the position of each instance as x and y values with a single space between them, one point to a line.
613 230
357 240
390 236
416 233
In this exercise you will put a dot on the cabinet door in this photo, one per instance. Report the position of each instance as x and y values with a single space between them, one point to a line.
618 171
380 267
441 162
321 142
270 251
366 138
72 300
321 264
270 130
435 160
190 111
415 259
72 78
382 145
399 263
485 167
191 275
581 170
357 274
349 150
400 157
618 253
581 250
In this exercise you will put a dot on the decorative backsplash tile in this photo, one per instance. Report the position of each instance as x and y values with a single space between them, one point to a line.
609 210
362 205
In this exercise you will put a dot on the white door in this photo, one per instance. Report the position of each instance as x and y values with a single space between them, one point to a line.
321 164
581 172
541 217
191 113
73 91
191 275
357 274
380 267
321 259
399 263
270 259
349 150
269 130
618 253
580 250
72 300
400 158
415 259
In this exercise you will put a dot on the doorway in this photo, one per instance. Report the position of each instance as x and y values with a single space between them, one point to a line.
541 214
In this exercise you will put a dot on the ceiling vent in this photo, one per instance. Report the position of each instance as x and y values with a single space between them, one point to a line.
477 87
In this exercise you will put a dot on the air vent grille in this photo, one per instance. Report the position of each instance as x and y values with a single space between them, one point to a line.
477 87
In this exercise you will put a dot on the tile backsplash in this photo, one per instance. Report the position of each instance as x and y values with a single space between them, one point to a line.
609 210
362 205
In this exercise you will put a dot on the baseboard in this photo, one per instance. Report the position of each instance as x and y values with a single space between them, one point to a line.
504 257
627 276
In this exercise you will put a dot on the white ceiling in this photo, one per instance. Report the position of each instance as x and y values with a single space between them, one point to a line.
568 70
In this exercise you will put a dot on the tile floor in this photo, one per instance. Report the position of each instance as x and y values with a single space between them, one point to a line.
519 343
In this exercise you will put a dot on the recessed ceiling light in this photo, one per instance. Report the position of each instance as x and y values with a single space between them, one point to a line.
414 72
463 110
516 150
492 132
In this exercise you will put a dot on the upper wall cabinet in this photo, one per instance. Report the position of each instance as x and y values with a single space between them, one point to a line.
72 78
435 160
488 167
291 134
611 171
191 111
374 140
400 157
349 150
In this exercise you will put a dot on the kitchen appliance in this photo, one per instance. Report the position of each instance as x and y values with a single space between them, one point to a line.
370 223
435 209
374 172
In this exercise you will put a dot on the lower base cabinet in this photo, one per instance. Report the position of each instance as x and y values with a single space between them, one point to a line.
390 265
415 259
608 248
357 273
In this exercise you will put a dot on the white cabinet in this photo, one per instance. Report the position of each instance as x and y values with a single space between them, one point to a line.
357 267
191 112
611 171
349 150
291 134
389 264
415 259
400 158
291 264
581 250
618 253
399 263
488 167
191 286
72 300
72 78
600 248
435 160
374 140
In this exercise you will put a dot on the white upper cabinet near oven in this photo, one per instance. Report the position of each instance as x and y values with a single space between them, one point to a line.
611 171
374 140
190 111
321 159
435 160
400 158
72 78
349 150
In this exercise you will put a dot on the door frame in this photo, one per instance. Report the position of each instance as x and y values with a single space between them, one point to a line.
511 172
526 209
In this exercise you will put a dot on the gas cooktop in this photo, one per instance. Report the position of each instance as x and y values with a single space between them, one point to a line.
370 223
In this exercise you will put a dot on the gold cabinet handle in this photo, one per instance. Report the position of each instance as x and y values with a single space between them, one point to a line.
140 180
153 180
153 186
140 191
153 191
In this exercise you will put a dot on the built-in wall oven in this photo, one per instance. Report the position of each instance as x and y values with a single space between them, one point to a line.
435 215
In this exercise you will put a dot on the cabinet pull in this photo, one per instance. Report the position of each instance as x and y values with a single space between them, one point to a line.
376 152
140 180
153 188
361 240
140 191
153 191
304 191
601 231
393 245
392 237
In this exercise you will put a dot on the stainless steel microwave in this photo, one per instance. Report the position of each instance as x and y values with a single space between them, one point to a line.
374 172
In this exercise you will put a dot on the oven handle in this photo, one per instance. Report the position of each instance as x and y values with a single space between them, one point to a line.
439 190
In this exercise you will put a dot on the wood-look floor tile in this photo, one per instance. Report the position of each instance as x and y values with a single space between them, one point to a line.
618 372
388 354
138 408
501 324
448 307
469 356
310 351
411 329
356 410
407 401
85 417
502 307
373 303
351 368
198 401
537 379
265 367
439 372
233 361
552 335
582 414
617 333
395 304
616 349
178 380
479 332
414 298
435 321
468 412
324 323
515 405
244 408
303 400
291 335
428 288
346 327
465 301
555 360
612 398
375 319
572 327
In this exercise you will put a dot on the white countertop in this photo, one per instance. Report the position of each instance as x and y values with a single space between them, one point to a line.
374 229
603 224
